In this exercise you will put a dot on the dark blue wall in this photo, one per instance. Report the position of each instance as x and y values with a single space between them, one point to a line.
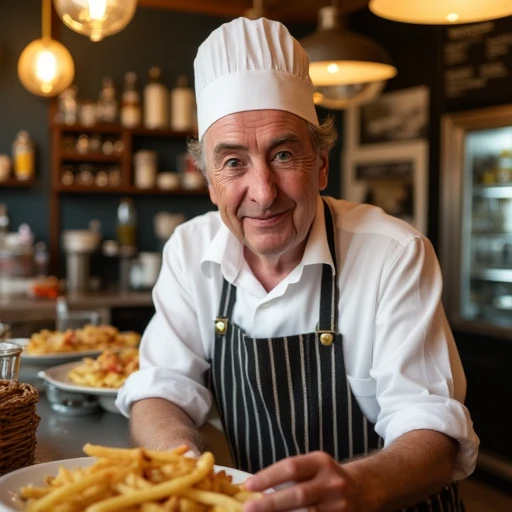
154 37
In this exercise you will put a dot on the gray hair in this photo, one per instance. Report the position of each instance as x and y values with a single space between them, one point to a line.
323 138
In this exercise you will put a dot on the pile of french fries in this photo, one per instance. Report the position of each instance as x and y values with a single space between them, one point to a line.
139 480
90 337
109 370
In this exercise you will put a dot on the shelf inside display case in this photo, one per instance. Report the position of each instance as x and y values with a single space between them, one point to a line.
493 191
500 275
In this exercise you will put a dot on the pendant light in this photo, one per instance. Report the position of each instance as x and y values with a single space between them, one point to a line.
440 12
96 19
347 69
45 66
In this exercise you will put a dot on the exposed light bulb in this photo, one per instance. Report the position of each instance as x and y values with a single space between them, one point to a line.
97 9
96 19
46 69
453 17
332 68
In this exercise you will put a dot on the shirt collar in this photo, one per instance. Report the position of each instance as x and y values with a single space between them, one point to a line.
227 251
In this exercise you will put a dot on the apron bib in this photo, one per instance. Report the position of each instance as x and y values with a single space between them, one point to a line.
279 397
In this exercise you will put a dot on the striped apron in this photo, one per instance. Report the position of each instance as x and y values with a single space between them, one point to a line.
279 397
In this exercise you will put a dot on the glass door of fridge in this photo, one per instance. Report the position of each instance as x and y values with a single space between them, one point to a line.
476 220
486 241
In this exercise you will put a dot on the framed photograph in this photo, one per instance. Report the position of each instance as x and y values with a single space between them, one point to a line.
391 175
395 116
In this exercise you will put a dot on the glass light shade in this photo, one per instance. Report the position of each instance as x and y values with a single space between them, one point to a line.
339 97
440 12
346 69
46 67
96 19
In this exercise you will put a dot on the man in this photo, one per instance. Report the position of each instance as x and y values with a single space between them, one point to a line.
315 324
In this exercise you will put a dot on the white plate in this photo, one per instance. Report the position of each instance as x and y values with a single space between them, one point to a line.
58 376
47 360
35 475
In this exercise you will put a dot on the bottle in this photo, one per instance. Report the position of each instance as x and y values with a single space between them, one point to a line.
130 106
504 171
107 103
4 225
182 106
23 156
126 223
155 101
68 106
41 259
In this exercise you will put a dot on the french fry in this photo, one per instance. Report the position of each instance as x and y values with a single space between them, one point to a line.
203 467
139 480
61 493
213 498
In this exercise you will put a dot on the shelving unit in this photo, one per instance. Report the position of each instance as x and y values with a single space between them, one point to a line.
128 190
14 183
123 160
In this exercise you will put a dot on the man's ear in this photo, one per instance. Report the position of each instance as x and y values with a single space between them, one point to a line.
213 196
323 170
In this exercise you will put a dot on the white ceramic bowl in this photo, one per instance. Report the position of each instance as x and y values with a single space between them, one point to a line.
80 240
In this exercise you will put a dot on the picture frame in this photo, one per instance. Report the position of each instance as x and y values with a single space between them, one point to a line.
392 175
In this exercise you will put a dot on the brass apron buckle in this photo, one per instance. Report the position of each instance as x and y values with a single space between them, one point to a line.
326 337
221 325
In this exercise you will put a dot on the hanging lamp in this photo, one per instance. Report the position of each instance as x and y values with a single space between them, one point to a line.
96 19
45 66
440 12
346 69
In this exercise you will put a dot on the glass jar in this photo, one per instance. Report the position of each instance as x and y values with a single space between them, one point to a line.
145 163
23 156
87 112
9 361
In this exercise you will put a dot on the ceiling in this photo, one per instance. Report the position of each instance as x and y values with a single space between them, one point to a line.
287 10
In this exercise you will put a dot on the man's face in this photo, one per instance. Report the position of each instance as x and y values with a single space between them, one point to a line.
264 176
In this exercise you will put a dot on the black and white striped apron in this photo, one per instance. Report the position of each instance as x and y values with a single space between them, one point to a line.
279 397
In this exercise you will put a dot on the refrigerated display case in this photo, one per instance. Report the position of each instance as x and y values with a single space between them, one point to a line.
476 220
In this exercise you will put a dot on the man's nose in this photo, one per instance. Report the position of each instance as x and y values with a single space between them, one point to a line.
262 186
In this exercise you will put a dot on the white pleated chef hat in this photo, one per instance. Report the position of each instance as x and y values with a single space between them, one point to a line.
251 65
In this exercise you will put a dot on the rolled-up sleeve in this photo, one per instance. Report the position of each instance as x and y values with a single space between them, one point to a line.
173 360
416 366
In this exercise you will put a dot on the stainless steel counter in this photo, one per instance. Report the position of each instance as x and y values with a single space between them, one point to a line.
105 299
60 436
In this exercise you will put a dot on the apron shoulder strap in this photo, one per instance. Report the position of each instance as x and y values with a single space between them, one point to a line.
328 322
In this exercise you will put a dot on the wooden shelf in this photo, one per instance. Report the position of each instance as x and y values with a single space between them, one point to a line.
13 182
118 129
89 157
162 132
129 190
97 128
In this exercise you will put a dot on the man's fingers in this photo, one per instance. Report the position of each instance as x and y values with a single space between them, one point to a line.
299 496
292 469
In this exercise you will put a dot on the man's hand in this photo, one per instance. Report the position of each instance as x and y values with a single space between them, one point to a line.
319 482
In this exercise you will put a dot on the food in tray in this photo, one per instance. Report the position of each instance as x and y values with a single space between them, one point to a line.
139 480
90 337
109 370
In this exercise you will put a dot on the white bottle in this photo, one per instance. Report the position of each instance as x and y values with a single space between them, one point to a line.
183 106
155 101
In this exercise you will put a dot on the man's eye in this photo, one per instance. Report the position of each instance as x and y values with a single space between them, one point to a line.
283 156
233 162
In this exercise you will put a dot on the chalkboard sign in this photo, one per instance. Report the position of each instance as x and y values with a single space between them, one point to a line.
477 62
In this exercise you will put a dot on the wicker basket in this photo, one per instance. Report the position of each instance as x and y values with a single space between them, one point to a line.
18 425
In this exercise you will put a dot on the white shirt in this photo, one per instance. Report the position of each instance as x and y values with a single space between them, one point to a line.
400 356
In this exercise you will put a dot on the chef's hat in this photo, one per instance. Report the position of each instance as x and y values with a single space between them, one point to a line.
251 65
